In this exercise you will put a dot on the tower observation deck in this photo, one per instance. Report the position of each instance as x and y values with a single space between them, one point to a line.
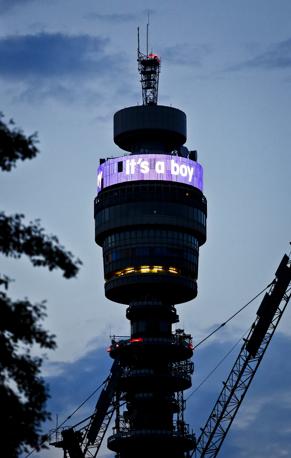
150 220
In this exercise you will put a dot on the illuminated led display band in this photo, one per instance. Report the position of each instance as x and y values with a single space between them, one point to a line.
138 167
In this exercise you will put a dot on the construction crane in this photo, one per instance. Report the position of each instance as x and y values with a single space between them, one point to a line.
241 375
86 442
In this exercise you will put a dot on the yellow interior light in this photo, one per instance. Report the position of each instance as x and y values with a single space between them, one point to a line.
158 269
146 270
173 270
129 270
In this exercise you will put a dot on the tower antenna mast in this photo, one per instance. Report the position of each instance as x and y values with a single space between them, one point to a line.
148 25
149 70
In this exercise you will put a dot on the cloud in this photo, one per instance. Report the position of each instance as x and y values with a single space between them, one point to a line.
66 93
53 56
261 428
267 435
66 68
277 57
262 425
119 18
74 381
185 54
70 383
112 18
7 5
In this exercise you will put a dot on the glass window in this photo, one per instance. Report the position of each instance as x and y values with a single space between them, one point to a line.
142 251
165 326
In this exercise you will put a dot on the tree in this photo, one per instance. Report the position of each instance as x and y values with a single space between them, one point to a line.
23 393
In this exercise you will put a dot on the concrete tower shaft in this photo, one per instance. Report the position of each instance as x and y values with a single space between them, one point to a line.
150 220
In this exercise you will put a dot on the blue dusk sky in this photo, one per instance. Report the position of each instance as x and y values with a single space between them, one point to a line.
65 68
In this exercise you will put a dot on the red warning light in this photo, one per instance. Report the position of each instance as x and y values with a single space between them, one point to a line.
154 56
112 347
137 339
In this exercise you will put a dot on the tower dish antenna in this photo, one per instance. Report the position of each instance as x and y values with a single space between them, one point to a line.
149 70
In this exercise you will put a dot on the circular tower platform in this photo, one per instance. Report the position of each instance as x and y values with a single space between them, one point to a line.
149 126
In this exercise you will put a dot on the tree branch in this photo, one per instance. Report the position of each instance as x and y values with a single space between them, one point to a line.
15 146
17 239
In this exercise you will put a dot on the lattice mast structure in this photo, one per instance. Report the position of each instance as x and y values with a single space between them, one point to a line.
244 369
149 70
150 220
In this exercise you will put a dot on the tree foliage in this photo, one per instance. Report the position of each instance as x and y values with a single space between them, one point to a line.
14 145
17 239
23 393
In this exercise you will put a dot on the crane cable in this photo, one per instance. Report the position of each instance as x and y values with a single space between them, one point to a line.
226 355
70 416
233 316
217 365
233 347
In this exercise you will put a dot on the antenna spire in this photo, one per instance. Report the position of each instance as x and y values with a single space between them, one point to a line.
148 25
149 70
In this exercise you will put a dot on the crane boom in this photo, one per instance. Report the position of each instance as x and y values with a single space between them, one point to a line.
103 413
234 389
78 445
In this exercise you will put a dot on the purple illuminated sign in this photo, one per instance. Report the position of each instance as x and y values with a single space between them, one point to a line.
159 167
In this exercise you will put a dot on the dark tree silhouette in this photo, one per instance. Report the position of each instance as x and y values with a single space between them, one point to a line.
14 145
23 393
16 239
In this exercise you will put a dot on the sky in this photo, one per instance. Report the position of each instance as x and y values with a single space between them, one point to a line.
65 69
